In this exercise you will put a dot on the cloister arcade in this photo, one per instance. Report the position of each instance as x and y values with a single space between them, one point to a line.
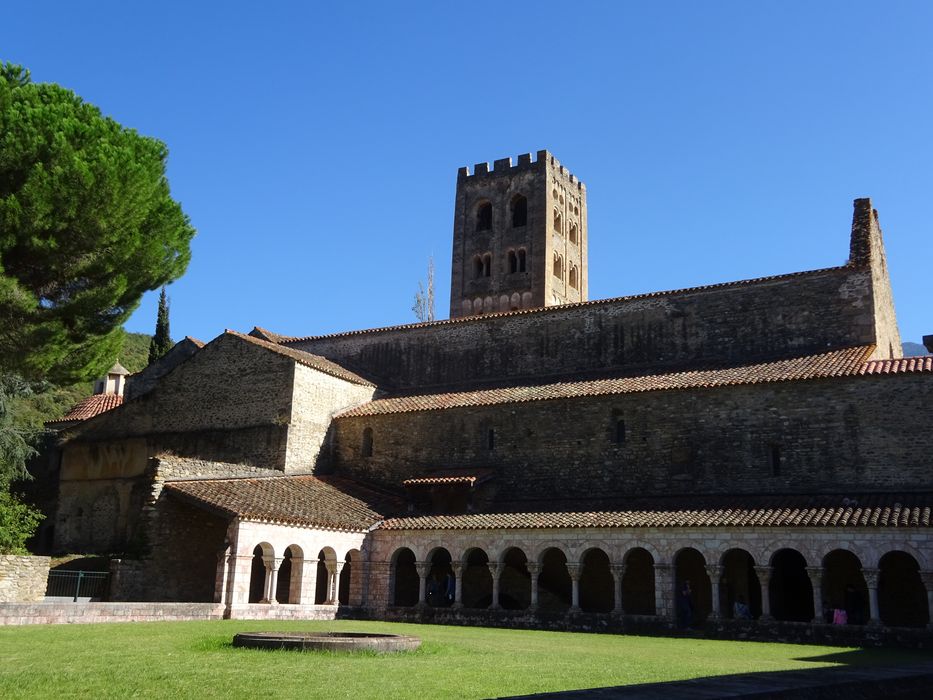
802 584
876 580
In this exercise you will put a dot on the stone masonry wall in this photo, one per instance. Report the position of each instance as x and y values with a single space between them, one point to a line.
23 578
781 317
316 397
853 433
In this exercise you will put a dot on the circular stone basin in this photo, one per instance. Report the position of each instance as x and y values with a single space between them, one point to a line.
331 641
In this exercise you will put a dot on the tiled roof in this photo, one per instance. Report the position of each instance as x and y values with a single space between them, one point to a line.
322 364
834 363
856 510
923 363
471 477
323 502
548 309
90 407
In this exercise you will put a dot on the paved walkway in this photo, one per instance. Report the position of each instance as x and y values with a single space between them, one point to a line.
836 682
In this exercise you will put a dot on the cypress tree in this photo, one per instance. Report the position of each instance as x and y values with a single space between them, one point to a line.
161 342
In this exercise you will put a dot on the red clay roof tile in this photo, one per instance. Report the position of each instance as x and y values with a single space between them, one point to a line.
90 407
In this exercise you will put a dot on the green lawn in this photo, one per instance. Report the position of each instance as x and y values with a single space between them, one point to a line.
195 659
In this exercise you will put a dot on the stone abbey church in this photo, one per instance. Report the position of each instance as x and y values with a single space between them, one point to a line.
539 459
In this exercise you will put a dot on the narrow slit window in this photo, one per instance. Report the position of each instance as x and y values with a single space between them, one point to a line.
620 432
477 267
487 265
521 259
513 262
491 439
484 217
519 211
775 460
367 447
558 222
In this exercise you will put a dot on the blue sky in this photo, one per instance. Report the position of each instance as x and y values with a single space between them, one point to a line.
315 145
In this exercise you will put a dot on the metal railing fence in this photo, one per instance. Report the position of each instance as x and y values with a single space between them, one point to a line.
77 585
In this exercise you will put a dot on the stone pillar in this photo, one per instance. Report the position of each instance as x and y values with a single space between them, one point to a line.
457 567
379 585
238 581
574 571
308 581
664 591
220 577
816 581
871 580
294 581
764 580
618 571
423 568
927 578
714 571
534 568
494 569
333 582
272 570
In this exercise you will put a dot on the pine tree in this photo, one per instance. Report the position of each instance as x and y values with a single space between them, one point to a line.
161 342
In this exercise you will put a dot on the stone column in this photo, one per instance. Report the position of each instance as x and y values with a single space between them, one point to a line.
379 585
333 582
457 567
816 581
927 578
294 582
871 580
764 580
494 569
714 571
534 568
308 581
618 571
238 581
220 577
423 568
664 591
574 571
272 569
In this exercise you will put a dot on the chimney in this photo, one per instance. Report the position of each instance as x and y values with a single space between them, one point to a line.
928 343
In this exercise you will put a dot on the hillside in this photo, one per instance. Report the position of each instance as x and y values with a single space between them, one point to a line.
913 349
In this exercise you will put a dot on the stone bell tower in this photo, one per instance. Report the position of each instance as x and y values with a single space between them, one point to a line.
519 237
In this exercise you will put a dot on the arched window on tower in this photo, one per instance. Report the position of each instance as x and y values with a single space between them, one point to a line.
574 281
519 211
513 262
521 259
367 446
558 222
573 232
487 265
558 266
477 267
484 217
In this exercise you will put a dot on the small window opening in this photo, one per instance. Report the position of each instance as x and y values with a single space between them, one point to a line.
574 282
620 432
558 222
367 447
484 217
513 262
521 259
558 266
519 211
487 265
491 439
573 232
477 267
775 460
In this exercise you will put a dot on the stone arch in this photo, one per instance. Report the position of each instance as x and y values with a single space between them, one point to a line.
515 302
514 580
435 586
519 210
477 266
504 302
902 597
692 587
288 578
638 581
526 300
740 585
478 305
572 233
512 262
403 578
573 277
558 267
483 216
558 222
263 555
555 587
843 587
477 579
790 589
353 572
466 307
597 587
522 260
487 264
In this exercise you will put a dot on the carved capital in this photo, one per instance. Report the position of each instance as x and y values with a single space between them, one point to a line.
816 574
574 570
457 568
764 574
534 568
494 568
423 568
871 577
927 578
618 570
714 571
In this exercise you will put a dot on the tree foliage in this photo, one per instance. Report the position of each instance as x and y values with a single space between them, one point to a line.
424 297
161 342
87 225
18 522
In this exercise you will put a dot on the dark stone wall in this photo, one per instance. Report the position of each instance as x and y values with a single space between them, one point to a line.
781 317
831 434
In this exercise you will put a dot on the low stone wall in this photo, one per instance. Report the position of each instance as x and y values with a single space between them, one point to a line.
650 625
264 611
60 613
23 578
